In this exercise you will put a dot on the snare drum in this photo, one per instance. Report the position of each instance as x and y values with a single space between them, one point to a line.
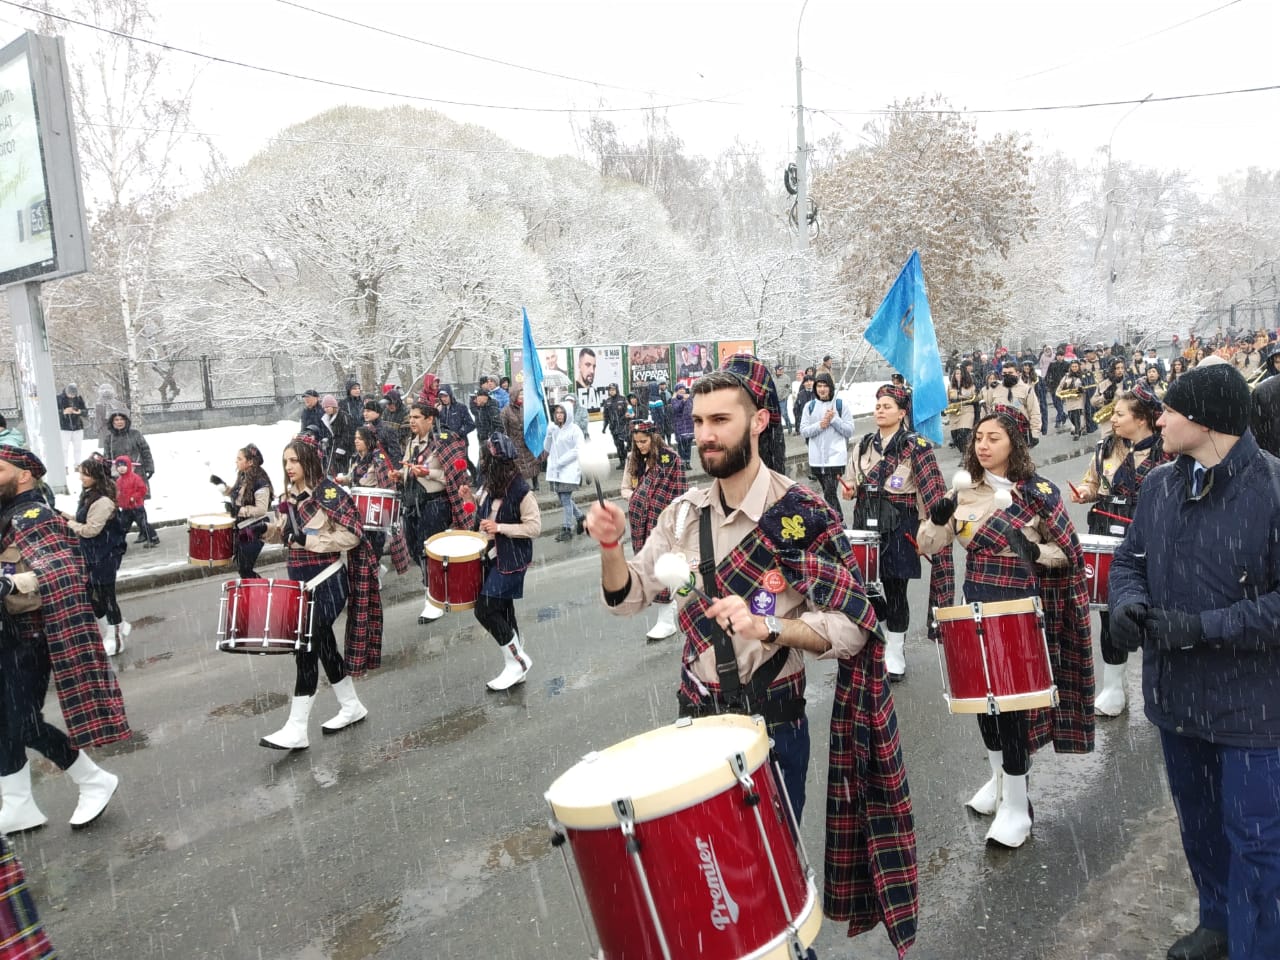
379 509
454 571
264 616
1097 566
684 845
210 540
866 551
997 657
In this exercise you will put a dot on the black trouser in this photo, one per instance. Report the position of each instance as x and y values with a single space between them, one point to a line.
247 553
828 477
102 597
324 649
138 515
430 518
620 444
892 608
377 540
24 681
960 438
1077 419
1010 733
498 616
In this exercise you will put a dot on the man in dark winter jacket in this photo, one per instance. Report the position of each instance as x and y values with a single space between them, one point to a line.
485 414
71 414
312 414
1053 376
454 416
353 403
1265 420
1196 585
614 409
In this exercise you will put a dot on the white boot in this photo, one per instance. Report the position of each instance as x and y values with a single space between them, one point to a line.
429 612
352 712
666 624
1012 824
895 658
987 798
97 787
293 735
1110 700
517 665
104 628
19 812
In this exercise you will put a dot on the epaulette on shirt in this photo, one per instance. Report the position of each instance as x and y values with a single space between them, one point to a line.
796 519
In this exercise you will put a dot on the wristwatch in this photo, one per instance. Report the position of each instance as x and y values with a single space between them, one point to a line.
774 626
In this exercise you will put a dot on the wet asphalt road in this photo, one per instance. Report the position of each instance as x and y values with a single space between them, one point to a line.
422 832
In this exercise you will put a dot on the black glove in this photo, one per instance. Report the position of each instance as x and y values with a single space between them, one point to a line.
148 474
296 538
216 480
1026 551
1109 392
1173 629
1126 625
6 586
940 513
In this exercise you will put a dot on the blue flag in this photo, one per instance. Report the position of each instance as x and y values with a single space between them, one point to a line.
902 330
535 400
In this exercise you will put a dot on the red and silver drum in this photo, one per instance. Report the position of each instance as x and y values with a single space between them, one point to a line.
379 509
454 571
264 616
1097 566
866 551
685 845
210 540
996 657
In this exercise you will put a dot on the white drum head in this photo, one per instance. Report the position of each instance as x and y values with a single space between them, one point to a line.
205 520
455 544
1093 543
862 536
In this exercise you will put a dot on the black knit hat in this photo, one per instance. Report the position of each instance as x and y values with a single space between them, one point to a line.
1215 396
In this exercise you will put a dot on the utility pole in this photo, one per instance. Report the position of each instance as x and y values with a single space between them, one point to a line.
802 153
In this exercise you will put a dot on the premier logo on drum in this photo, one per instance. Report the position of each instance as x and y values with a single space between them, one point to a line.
724 909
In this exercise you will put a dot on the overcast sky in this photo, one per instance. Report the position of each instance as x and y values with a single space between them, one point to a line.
739 57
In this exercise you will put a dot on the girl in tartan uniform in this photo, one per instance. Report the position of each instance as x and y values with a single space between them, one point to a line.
318 522
250 496
654 477
1115 474
1024 550
370 467
893 477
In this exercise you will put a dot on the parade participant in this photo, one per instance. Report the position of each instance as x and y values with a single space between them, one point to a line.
1026 549
388 434
963 392
318 522
433 475
564 438
1091 368
102 544
1072 391
654 477
71 413
1154 381
248 498
1112 482
513 426
1269 357
1264 418
614 409
1053 376
370 467
131 499
777 580
1013 391
1194 585
510 517
52 632
893 478
826 426
1116 382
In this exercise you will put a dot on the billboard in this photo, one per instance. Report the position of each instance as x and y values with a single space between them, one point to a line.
648 363
594 368
693 360
555 370
727 348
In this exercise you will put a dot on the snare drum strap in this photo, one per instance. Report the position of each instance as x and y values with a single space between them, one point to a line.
726 660
327 572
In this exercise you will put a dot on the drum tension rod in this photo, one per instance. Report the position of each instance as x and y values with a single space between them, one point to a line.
738 764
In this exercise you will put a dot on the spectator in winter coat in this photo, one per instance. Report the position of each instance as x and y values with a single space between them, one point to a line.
10 436
71 414
564 440
827 424
513 426
102 543
131 498
682 419
454 417
502 394
614 409
337 437
387 435
485 414
102 409
312 414
353 404
803 396
785 389
122 440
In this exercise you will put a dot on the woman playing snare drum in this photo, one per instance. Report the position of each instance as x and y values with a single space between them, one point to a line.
1024 550
1116 471
318 522
370 467
248 498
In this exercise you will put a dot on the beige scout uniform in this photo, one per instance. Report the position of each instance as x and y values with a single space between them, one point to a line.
975 506
1071 384
964 396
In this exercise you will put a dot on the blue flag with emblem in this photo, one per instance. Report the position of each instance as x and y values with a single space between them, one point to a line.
902 331
535 400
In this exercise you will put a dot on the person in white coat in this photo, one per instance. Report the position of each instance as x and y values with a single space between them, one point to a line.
564 437
826 425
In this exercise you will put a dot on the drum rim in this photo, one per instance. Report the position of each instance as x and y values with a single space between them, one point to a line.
712 782
375 492
223 522
1009 702
870 535
482 542
1096 540
996 608
273 581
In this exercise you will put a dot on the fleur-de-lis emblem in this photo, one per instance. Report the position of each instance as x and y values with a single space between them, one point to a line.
330 493
666 458
793 528
1044 488
32 513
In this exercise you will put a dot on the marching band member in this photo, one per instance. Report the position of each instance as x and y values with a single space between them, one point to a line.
509 515
1026 549
1071 391
1112 481
102 544
1114 384
370 467
963 391
893 477
248 498
653 478
317 520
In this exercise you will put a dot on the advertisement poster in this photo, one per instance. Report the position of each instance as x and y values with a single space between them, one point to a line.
649 363
594 368
25 234
692 361
727 348
555 367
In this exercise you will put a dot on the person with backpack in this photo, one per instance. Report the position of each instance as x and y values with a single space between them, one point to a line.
102 544
827 426
131 498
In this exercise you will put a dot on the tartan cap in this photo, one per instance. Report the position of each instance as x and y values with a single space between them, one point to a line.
895 393
1143 393
309 439
1013 418
500 446
644 426
22 459
757 381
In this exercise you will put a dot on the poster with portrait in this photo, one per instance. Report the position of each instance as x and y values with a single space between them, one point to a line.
649 363
555 371
594 368
727 348
692 360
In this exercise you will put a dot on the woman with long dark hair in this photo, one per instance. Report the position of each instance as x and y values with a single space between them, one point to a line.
102 544
509 516
1026 549
962 391
370 467
318 522
249 498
